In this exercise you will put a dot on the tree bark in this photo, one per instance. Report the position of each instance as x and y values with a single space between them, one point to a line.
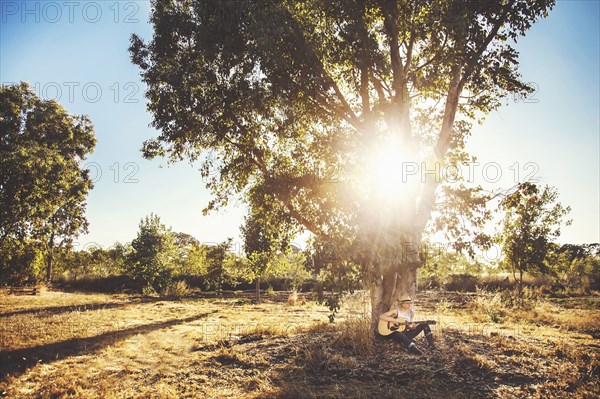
258 289
399 279
50 259
49 266
520 283
381 295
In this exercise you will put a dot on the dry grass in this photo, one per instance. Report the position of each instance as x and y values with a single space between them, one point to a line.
498 307
572 319
115 346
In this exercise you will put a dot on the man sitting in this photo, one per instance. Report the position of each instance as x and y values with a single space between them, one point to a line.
402 314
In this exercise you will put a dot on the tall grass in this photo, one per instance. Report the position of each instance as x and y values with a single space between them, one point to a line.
500 306
357 335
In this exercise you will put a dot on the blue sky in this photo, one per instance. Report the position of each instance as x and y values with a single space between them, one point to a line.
78 55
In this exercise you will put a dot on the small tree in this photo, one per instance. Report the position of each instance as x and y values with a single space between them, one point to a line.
118 257
190 254
216 270
153 254
195 261
291 268
335 274
261 243
532 221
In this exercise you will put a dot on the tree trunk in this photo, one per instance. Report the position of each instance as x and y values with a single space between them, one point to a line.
520 283
401 278
398 280
49 266
381 295
514 274
50 259
258 289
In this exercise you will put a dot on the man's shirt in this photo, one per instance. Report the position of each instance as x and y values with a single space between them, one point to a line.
408 316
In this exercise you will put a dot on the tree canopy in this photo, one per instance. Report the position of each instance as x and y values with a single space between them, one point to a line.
313 110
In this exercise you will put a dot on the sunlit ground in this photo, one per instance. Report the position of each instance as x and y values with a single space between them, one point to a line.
117 346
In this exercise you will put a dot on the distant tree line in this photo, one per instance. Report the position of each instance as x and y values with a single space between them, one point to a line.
157 258
532 219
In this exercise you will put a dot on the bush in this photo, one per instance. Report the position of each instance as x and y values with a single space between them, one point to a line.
108 285
357 335
21 263
461 282
176 289
491 306
294 300
429 283
269 290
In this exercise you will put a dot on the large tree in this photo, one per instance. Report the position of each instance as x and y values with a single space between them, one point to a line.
320 110
43 186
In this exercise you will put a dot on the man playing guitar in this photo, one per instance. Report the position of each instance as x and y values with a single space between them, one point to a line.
389 323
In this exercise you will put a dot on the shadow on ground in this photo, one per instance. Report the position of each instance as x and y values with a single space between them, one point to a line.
18 361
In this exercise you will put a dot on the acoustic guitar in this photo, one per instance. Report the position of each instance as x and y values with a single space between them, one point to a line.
388 327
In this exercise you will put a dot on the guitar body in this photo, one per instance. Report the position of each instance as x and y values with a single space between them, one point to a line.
387 327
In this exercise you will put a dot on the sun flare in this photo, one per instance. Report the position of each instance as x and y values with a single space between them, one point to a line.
391 171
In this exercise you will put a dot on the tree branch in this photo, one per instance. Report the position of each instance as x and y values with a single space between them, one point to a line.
364 60
258 159
378 88
401 121
435 57
409 49
493 32
390 24
455 88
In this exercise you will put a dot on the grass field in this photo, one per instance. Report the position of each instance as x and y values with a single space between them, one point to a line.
73 345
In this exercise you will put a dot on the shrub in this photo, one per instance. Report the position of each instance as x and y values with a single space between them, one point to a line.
357 334
21 263
110 285
461 282
491 305
429 283
293 299
176 289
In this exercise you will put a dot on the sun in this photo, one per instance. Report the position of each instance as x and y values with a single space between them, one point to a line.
391 171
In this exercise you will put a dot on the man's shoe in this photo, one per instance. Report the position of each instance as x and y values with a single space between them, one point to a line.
430 341
414 350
